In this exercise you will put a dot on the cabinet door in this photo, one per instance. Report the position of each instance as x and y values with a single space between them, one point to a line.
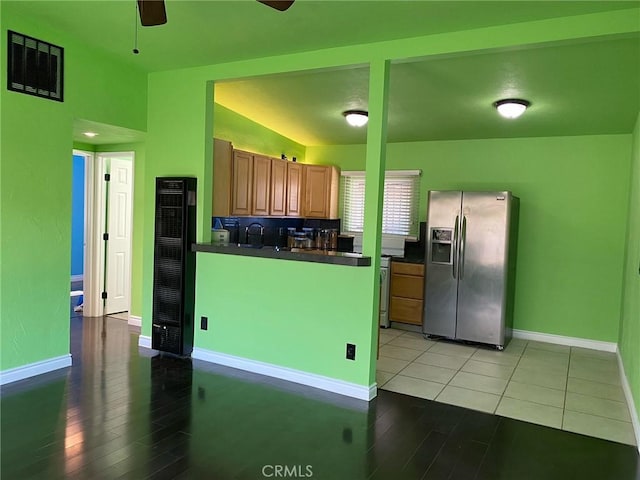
407 286
317 183
222 159
406 310
242 181
261 185
278 186
295 189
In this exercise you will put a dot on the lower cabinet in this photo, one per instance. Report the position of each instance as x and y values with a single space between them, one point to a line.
406 299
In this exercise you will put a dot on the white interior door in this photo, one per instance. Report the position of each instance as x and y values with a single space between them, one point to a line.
118 257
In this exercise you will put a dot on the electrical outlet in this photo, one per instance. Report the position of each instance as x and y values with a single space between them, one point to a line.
204 323
351 351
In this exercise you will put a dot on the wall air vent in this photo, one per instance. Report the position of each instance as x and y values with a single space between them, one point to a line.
34 67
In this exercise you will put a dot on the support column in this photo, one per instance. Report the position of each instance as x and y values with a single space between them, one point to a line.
374 189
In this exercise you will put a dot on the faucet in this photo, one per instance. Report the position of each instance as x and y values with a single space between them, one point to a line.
249 233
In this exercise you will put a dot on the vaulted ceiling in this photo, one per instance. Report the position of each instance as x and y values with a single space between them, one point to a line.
574 89
581 87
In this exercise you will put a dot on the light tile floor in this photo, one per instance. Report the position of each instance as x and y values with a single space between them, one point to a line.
569 388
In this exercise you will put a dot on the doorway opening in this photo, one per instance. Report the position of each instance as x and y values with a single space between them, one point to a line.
105 285
81 163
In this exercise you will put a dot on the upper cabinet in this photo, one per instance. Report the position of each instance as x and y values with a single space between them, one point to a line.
222 159
278 187
241 183
261 186
295 189
250 184
321 191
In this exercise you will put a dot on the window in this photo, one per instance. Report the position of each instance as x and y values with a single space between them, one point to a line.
400 204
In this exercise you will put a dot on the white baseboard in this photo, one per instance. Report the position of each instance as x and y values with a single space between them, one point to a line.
310 379
630 403
144 341
33 369
77 278
135 321
568 341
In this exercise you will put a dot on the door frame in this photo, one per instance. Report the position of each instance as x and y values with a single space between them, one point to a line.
88 247
128 156
95 218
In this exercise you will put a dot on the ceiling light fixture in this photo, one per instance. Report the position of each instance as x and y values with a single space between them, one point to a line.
356 118
511 107
90 134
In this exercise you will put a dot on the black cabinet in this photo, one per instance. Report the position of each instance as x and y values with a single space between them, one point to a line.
174 265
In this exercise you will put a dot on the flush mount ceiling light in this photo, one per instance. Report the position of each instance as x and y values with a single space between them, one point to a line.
90 134
511 107
356 118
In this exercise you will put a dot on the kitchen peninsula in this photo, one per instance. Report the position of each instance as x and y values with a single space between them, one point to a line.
295 254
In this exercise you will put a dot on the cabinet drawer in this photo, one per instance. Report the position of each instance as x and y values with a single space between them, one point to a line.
416 269
406 310
407 286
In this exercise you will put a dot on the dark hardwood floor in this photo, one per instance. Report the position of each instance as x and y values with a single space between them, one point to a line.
123 412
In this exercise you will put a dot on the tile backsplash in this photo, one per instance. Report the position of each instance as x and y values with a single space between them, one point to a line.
275 229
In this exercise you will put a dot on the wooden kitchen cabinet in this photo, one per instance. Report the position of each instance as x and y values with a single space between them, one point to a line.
406 302
295 189
241 183
261 186
321 191
278 203
248 184
222 166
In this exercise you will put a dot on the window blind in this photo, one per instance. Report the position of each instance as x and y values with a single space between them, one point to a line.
400 201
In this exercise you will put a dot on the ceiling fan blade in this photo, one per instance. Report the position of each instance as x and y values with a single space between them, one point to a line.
278 4
152 12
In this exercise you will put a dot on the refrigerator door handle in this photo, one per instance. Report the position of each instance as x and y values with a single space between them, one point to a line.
463 241
455 247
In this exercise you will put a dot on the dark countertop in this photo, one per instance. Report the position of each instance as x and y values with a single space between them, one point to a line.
295 254
408 259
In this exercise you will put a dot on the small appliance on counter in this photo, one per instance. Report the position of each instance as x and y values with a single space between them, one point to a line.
302 239
254 234
220 236
345 243
326 239
414 249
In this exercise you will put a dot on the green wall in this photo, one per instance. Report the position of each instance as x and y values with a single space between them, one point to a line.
629 341
248 298
245 134
573 217
35 191
294 314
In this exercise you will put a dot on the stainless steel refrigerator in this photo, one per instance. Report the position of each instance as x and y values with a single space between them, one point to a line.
470 266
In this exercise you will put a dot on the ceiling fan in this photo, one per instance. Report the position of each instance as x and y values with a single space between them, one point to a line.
152 12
